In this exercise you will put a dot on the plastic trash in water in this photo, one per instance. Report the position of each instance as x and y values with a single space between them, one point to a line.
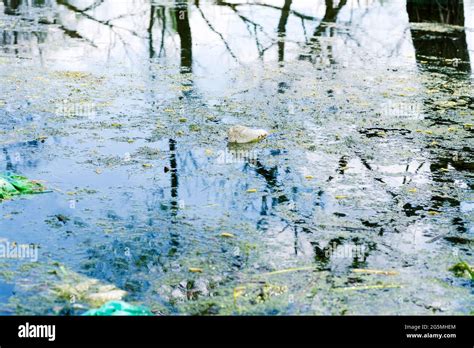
14 185
242 135
119 308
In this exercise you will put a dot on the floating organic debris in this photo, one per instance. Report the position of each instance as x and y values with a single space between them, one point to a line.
195 270
374 271
75 287
76 75
227 235
461 269
243 135
238 291
288 270
320 185
339 197
369 287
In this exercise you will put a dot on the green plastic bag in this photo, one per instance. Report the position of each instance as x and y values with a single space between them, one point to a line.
6 188
119 308
14 185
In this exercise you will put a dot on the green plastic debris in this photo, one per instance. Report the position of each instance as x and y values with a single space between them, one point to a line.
119 308
14 185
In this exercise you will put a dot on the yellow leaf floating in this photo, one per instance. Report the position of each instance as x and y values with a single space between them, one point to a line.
374 271
340 197
412 190
288 270
185 88
370 287
227 235
309 177
147 165
238 291
251 190
433 213
195 270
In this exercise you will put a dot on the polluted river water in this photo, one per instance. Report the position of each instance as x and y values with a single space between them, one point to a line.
358 201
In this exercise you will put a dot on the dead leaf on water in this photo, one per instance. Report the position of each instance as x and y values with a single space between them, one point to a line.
227 235
195 270
238 291
369 287
374 271
288 270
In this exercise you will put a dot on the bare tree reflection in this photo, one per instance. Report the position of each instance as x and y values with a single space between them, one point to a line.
448 45
285 13
314 43
183 28
446 53
11 6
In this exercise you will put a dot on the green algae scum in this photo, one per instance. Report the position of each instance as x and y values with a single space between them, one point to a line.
287 157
